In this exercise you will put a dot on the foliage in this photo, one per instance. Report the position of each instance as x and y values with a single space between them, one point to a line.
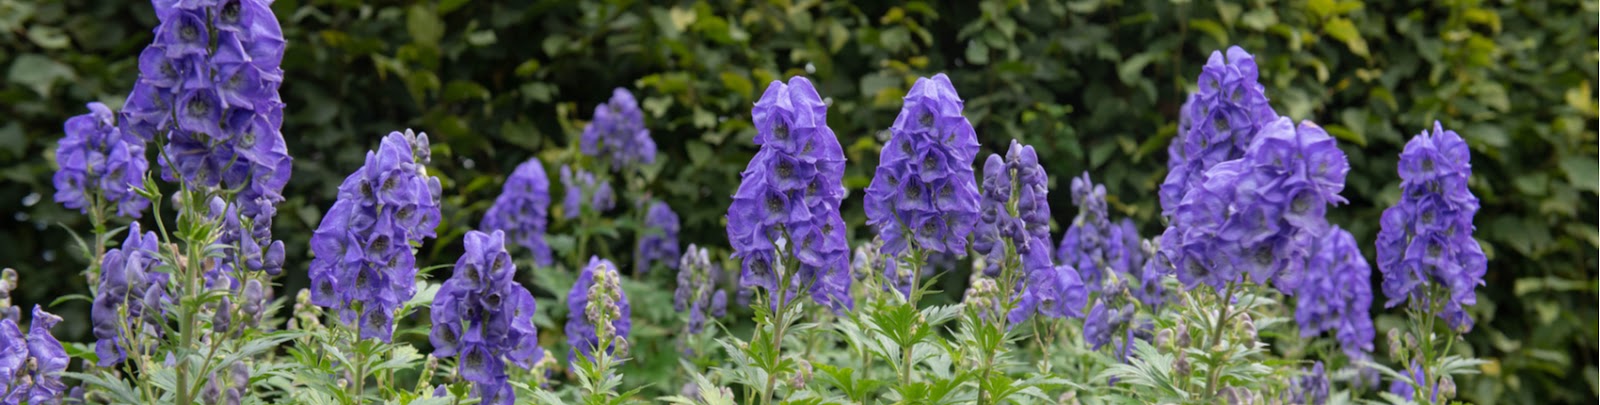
1094 85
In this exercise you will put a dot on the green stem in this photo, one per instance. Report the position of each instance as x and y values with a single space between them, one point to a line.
1214 374
778 329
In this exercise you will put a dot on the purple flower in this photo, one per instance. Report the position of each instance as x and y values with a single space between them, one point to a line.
596 309
618 133
582 186
522 210
363 246
1427 235
787 204
1408 389
1311 387
129 284
1217 123
660 240
923 188
1027 228
98 161
1259 214
1089 241
1335 293
485 318
31 366
697 291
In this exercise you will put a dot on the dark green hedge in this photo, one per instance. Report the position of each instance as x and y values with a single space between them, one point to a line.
1095 85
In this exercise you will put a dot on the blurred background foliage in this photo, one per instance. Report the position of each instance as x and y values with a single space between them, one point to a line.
1095 85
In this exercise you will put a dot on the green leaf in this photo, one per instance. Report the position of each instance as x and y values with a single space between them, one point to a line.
424 25
1342 29
977 53
1582 171
39 72
48 37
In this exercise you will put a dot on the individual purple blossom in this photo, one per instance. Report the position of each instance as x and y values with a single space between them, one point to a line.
1259 214
31 366
697 292
522 210
1408 389
923 189
484 317
99 161
618 134
129 305
1335 293
659 242
1426 237
364 246
583 189
1217 123
597 310
787 204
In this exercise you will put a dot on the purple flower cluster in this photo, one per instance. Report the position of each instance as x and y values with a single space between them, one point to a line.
1427 235
128 308
31 366
1017 178
618 133
364 245
581 185
787 205
1217 123
596 308
697 290
522 210
1310 388
1335 293
1103 321
209 84
1258 214
98 160
660 240
923 188
251 234
484 317
1088 242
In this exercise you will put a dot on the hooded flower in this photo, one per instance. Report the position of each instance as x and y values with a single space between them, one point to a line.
128 308
98 161
618 133
1217 123
583 187
30 367
1427 235
660 240
1259 214
1335 293
522 210
365 245
1090 240
697 291
923 188
597 310
1019 181
787 204
484 317
1311 387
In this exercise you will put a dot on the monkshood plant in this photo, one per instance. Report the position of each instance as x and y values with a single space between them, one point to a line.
1248 296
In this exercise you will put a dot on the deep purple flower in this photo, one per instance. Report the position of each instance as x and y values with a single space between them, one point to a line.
787 204
31 366
1335 293
659 242
1310 387
1217 123
923 188
618 134
698 292
1259 214
1027 228
484 317
99 161
583 187
1088 242
363 246
596 308
522 210
1408 389
1427 235
129 284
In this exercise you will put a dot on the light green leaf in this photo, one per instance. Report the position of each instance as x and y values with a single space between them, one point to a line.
424 25
1342 29
39 72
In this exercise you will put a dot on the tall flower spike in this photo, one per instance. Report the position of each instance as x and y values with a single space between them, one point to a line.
583 189
1426 237
1259 214
1217 123
208 85
618 134
697 292
128 307
787 204
596 309
31 365
98 161
522 210
923 189
484 317
1015 209
364 246
1335 293
1090 239
660 242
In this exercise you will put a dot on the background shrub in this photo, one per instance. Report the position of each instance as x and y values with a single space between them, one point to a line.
1095 85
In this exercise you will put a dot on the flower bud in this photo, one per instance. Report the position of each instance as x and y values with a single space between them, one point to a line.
1183 336
1180 365
1069 397
1163 338
801 375
1447 387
